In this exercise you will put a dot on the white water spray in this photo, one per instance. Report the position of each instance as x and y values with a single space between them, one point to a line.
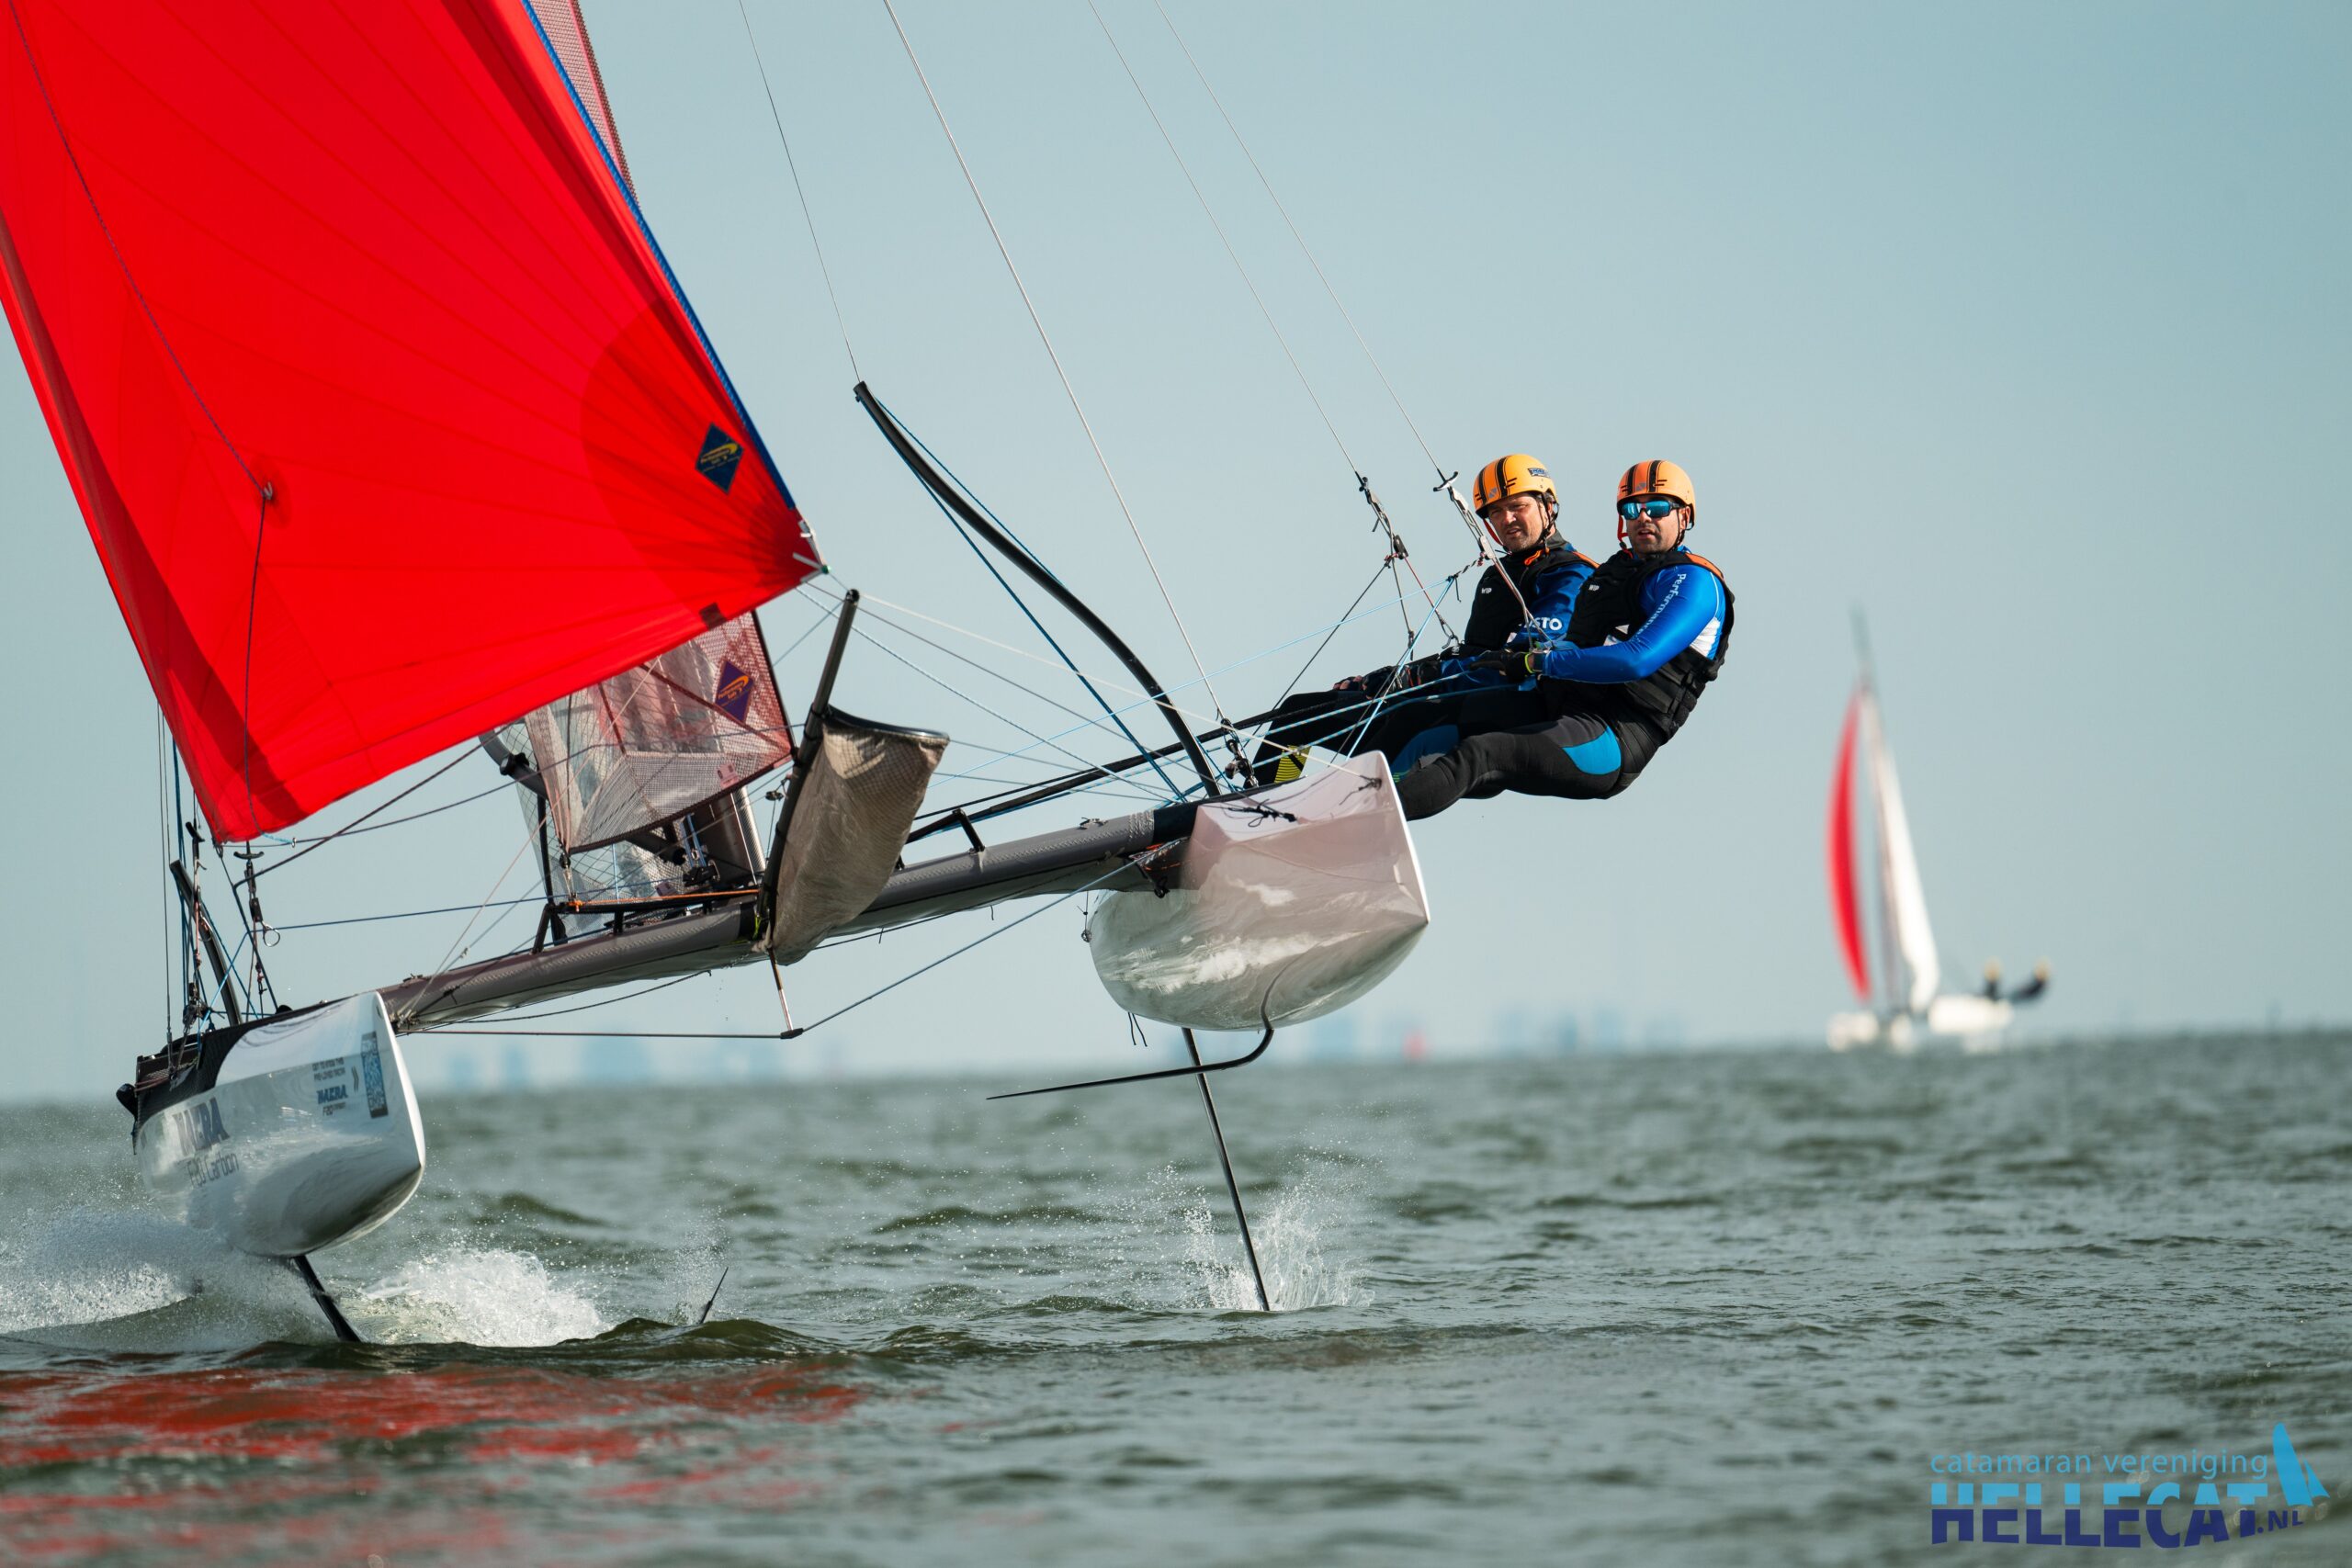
1295 1236
476 1295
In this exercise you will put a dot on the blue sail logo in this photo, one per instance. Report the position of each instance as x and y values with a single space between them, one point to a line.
719 455
734 698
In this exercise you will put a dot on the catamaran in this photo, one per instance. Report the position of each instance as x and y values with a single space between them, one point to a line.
1904 1007
396 436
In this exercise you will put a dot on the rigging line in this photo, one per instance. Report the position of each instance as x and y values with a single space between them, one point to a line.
1269 185
795 1033
1382 696
974 546
165 831
1092 769
1231 255
339 832
397 915
1003 719
1084 721
1397 550
1236 665
990 936
1068 390
401 821
190 987
794 646
1011 783
986 510
1344 616
1144 700
1118 686
1397 553
253 605
254 930
466 931
1099 789
583 1007
624 1033
807 216
975 515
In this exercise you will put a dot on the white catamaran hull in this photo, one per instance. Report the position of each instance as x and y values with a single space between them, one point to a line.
1974 1023
1291 904
308 1136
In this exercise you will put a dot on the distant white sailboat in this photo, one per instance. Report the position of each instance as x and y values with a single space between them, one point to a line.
1905 1010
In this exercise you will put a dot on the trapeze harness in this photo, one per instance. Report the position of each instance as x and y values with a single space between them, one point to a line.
1581 740
1546 578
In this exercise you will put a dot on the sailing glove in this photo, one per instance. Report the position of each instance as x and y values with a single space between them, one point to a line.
1417 672
1513 663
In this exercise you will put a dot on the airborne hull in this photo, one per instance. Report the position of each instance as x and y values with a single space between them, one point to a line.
1290 904
307 1133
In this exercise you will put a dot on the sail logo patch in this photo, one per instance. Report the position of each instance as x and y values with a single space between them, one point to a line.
371 1076
716 462
198 1127
734 698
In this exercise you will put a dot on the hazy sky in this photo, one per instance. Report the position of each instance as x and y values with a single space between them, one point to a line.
2022 327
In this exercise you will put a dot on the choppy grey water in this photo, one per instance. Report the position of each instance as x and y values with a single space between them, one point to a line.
1691 1309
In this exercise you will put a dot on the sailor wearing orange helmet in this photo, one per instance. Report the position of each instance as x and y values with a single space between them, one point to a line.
1523 601
1649 633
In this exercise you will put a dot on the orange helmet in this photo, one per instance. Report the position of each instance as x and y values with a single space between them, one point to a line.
1660 478
1517 474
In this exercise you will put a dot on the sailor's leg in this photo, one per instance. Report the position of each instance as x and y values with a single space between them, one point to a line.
1408 731
1302 719
1575 757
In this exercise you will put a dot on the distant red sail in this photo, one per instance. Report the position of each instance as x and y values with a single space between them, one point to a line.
368 262
1845 896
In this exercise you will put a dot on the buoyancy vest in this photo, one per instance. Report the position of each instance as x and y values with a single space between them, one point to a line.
1611 607
1495 611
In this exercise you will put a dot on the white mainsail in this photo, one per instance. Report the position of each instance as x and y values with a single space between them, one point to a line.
1914 972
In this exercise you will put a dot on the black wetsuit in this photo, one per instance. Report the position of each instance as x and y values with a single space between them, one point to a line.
1648 634
1528 595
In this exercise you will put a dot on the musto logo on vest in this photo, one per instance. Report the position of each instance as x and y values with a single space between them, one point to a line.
2170 1500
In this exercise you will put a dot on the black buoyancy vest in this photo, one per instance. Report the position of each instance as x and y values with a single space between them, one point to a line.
1495 611
1611 606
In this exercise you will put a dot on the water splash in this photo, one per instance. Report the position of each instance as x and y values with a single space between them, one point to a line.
474 1295
145 1281
1295 1236
134 1281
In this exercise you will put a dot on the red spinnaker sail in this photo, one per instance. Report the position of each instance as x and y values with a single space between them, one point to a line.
1845 896
386 416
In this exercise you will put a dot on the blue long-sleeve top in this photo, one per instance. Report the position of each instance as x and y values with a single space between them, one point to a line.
1682 607
1551 599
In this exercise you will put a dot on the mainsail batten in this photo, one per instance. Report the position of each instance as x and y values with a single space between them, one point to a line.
378 265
